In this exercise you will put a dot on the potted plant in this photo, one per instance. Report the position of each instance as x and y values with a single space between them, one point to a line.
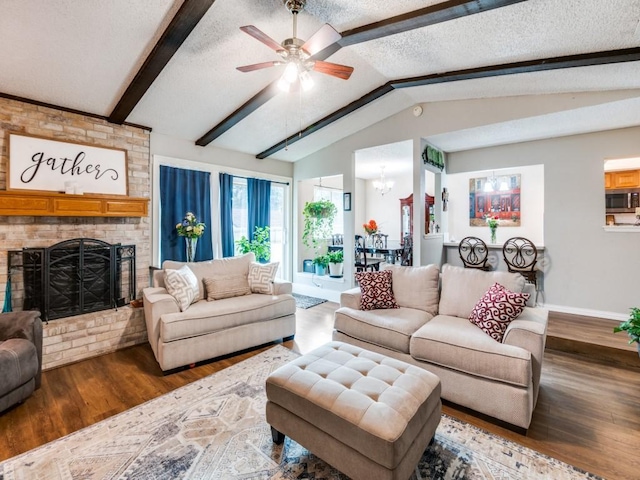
318 222
260 245
336 263
321 262
632 327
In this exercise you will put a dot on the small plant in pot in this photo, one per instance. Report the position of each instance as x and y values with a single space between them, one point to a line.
632 327
336 263
321 262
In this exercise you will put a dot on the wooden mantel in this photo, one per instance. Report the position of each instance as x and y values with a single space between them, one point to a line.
53 204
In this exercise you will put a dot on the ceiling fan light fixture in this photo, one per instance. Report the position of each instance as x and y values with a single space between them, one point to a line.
284 85
290 72
306 81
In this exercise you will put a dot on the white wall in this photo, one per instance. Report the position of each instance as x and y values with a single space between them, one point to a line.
385 209
531 202
590 271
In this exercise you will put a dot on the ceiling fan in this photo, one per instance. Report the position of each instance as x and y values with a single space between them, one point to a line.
297 54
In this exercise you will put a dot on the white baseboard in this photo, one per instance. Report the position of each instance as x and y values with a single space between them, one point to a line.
587 312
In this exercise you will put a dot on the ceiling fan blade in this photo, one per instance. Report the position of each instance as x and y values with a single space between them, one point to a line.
257 66
261 36
320 40
333 69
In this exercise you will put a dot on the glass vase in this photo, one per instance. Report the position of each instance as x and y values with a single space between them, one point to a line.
191 245
493 235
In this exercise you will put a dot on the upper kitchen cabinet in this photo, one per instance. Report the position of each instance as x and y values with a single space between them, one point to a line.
622 179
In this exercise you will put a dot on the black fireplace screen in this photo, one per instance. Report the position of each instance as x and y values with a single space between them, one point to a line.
78 276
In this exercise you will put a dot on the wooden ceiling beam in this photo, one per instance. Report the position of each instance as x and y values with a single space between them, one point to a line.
423 17
531 66
182 24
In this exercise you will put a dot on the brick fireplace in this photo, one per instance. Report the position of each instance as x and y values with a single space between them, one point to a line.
70 339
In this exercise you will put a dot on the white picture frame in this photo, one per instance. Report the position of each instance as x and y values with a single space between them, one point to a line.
42 164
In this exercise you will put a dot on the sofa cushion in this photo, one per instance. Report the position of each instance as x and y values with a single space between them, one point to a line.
497 309
387 328
226 286
18 364
416 287
207 317
463 287
212 268
182 285
457 344
375 290
261 277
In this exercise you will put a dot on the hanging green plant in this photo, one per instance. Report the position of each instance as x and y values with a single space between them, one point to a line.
318 222
433 156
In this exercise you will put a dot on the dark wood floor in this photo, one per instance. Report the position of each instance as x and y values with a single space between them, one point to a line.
588 413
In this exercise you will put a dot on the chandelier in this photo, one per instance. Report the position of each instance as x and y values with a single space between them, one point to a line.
383 185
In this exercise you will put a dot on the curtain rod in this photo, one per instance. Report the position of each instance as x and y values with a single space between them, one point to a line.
247 178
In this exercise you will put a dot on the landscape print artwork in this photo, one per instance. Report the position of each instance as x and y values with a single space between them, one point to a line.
495 196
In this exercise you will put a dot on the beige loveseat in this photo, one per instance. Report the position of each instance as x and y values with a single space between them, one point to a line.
208 329
431 329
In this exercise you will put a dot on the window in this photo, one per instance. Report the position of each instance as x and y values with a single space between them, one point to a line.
278 214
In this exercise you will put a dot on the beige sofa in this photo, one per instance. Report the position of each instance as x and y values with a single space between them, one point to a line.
431 329
208 329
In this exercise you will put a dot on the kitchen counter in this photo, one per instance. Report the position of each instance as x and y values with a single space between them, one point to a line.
629 228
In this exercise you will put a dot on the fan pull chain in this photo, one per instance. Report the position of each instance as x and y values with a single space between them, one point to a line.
300 110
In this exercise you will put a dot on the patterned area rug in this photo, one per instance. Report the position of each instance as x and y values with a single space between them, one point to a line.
302 301
215 428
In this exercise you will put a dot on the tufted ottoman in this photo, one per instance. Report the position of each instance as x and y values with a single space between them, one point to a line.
367 415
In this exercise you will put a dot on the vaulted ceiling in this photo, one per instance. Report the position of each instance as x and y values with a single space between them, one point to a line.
171 65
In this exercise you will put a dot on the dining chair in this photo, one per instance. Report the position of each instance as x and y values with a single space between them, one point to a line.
474 253
337 239
521 256
406 256
362 263
379 241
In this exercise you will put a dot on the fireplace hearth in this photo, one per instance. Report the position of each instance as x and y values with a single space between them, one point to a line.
76 276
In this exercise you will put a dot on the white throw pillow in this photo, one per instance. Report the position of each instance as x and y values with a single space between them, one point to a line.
261 277
182 284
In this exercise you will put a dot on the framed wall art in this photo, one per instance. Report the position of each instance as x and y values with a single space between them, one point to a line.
37 163
495 197
346 201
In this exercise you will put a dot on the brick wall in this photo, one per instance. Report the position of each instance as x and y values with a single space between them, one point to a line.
75 338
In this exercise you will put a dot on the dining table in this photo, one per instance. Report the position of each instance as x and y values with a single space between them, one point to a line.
391 253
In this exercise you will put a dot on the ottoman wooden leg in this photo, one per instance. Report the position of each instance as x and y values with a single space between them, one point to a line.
277 436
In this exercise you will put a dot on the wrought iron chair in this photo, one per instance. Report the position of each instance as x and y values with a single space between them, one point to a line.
406 257
521 256
362 263
379 241
474 253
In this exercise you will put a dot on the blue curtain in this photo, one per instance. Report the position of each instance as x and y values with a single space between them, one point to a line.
183 191
226 214
259 198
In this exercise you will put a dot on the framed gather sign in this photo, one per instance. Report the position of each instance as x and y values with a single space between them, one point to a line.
37 163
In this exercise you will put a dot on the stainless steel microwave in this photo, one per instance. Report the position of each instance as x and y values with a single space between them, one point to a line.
622 201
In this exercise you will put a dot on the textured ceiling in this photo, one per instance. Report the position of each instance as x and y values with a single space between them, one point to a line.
83 55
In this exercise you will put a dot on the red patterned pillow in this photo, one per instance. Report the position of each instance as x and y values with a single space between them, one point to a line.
376 291
497 309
